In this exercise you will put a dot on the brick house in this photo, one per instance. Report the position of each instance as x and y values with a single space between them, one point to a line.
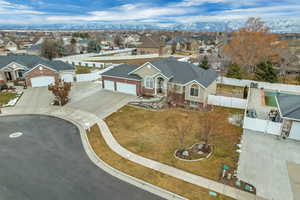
37 71
187 83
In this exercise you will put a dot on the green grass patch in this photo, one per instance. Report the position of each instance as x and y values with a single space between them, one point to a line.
5 97
83 70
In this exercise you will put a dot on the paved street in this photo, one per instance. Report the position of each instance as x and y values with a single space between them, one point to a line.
48 162
264 163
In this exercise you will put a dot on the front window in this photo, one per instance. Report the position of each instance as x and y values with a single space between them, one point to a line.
149 82
194 91
194 104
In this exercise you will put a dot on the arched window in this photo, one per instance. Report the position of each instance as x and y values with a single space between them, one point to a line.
194 92
149 82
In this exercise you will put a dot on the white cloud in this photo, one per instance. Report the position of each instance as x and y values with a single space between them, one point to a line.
127 12
189 3
241 14
16 9
184 11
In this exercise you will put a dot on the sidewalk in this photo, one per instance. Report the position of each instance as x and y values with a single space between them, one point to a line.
177 173
86 120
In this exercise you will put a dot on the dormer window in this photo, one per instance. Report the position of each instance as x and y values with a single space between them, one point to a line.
149 83
194 92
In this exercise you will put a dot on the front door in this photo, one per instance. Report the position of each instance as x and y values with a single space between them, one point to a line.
160 85
8 76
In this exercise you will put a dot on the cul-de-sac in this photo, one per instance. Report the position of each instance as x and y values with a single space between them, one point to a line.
91 109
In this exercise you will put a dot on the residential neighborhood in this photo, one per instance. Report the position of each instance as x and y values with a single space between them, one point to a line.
150 100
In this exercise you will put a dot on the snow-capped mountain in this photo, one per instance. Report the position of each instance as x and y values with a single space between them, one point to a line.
277 25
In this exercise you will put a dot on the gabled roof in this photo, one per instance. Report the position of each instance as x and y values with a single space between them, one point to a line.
150 42
123 71
176 71
289 106
183 72
179 39
30 61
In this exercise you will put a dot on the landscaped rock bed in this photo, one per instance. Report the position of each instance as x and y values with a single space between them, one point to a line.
196 152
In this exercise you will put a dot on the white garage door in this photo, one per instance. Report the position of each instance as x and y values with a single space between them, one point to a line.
109 85
67 77
295 131
126 88
42 81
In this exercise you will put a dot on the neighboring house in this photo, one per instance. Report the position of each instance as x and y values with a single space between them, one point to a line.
37 71
2 42
34 49
187 83
82 46
11 46
151 45
183 44
289 110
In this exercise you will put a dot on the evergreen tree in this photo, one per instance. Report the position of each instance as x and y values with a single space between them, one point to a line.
298 78
93 47
266 72
204 64
234 71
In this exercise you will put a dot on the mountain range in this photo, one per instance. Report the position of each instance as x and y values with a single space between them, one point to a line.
277 26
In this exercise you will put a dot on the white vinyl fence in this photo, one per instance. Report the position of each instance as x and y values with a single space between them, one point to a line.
88 77
230 102
270 86
261 125
93 76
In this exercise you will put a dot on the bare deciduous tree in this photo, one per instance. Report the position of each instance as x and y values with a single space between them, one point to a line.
209 126
254 44
182 127
61 91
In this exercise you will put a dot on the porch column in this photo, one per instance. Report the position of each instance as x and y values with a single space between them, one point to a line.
16 74
155 89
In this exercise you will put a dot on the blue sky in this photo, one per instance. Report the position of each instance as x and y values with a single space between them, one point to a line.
161 12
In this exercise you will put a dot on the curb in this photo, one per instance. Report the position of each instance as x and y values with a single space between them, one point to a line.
107 168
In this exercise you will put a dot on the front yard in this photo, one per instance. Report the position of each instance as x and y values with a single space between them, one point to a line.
169 183
152 135
5 97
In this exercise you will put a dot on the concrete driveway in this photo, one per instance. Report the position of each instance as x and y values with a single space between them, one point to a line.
264 163
102 103
34 98
48 162
85 96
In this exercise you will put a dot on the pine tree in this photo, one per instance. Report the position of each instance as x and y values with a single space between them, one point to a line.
298 78
204 64
234 71
266 72
93 47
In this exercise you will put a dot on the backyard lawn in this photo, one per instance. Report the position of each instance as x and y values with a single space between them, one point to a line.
5 97
230 91
82 70
151 134
172 184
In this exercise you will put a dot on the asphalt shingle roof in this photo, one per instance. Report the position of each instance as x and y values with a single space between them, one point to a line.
183 72
30 61
122 71
179 72
289 106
